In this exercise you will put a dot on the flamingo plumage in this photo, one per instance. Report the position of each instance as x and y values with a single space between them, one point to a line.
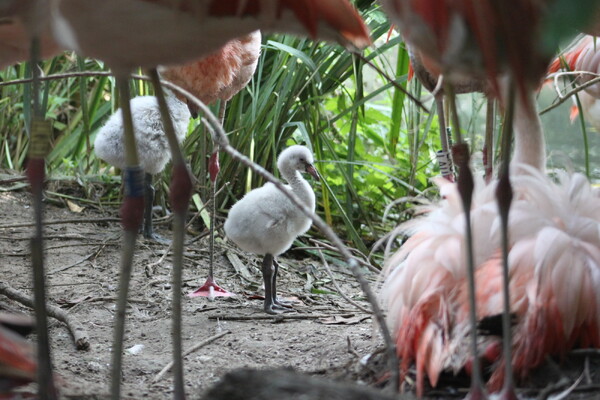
554 267
220 75
18 365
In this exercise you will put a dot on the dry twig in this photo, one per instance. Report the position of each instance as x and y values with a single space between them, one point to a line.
80 336
275 318
189 351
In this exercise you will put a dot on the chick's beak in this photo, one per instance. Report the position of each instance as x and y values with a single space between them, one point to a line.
313 171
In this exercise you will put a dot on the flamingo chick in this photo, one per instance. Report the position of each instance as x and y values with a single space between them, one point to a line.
152 145
266 222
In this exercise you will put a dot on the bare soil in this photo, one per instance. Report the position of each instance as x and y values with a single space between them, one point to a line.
82 264
326 336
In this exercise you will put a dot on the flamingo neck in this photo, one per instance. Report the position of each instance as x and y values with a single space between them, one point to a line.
295 180
530 147
300 187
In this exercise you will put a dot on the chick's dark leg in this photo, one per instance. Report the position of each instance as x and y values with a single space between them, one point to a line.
268 271
276 301
149 192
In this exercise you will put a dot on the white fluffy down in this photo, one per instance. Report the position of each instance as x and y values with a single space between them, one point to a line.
152 145
265 221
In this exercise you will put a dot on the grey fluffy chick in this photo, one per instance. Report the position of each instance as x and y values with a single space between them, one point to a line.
266 222
152 145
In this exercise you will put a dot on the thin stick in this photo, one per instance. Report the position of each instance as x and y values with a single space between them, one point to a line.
38 150
81 74
78 332
371 267
83 259
180 192
62 221
278 317
564 97
337 287
129 238
189 351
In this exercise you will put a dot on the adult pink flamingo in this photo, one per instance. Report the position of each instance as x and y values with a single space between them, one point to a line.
218 76
16 32
221 74
485 39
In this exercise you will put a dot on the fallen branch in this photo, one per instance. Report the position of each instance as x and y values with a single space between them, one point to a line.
564 97
78 332
276 318
189 351
63 221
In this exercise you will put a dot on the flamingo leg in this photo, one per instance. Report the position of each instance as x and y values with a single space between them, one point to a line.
131 217
214 173
277 301
465 185
40 139
444 156
504 195
180 193
488 153
210 288
268 271
148 230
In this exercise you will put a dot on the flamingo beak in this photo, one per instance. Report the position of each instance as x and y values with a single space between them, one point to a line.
313 171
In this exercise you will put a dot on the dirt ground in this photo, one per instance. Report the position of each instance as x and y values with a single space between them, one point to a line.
326 336
329 338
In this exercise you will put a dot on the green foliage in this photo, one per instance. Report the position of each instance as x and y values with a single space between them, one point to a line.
361 128
372 143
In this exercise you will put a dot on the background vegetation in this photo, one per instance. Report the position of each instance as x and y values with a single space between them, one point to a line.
373 145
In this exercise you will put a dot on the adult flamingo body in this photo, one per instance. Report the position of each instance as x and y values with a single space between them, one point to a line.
554 266
486 40
221 74
140 32
475 39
